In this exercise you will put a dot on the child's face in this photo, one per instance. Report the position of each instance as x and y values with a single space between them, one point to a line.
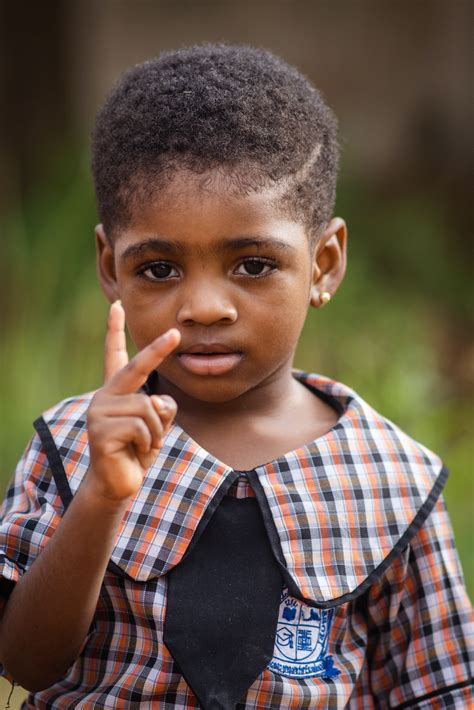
230 272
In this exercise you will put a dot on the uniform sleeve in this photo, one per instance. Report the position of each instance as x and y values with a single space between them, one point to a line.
29 515
420 628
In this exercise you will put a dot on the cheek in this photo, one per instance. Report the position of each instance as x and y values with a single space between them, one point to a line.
146 318
282 313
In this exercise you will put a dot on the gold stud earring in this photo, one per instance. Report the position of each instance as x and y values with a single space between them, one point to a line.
324 298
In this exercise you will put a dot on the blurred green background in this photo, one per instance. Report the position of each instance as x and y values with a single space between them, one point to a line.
399 330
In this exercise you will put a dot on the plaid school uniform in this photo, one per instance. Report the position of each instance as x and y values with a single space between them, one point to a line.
373 614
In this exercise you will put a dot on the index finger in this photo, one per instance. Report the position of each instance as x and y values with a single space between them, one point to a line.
131 377
115 353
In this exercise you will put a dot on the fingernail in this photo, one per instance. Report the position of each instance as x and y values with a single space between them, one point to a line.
118 302
162 404
171 334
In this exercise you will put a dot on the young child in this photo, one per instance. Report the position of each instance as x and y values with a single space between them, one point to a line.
211 528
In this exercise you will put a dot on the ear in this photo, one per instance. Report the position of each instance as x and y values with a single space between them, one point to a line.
329 263
106 265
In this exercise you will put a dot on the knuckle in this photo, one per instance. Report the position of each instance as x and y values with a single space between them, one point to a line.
139 426
156 426
145 404
96 399
131 366
96 407
143 434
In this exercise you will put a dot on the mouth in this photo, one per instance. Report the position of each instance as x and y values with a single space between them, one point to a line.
209 359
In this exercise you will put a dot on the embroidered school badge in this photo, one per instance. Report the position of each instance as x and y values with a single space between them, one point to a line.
302 639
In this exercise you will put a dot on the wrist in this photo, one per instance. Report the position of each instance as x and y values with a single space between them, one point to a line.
96 498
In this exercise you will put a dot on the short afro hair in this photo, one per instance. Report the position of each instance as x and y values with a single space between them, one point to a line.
236 109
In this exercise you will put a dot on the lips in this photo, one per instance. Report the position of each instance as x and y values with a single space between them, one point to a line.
209 358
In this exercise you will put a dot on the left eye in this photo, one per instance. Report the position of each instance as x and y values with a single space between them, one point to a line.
254 267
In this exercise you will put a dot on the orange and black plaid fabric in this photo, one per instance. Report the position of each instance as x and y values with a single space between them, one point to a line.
374 612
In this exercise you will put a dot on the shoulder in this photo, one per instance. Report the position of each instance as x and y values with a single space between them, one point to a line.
34 501
68 410
62 431
62 423
65 422
371 431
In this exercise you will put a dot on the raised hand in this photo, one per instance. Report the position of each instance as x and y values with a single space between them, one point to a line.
126 428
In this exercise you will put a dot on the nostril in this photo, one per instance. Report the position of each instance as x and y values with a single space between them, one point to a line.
207 313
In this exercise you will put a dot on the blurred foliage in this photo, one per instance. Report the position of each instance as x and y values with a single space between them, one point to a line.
396 331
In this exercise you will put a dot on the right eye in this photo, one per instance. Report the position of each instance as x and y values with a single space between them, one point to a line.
159 271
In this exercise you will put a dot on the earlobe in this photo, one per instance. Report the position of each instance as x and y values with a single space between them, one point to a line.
105 264
329 264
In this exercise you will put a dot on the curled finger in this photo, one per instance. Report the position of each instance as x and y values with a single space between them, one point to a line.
133 405
166 408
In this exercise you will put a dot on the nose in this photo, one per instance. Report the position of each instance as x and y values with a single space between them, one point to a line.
206 304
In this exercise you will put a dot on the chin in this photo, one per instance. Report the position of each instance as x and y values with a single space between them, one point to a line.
210 389
215 393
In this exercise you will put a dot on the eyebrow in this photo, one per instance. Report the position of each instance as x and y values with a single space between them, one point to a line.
154 244
164 246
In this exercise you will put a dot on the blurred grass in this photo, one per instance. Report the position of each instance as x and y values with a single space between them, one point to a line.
396 331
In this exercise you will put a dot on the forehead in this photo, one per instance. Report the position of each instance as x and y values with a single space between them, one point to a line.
200 210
